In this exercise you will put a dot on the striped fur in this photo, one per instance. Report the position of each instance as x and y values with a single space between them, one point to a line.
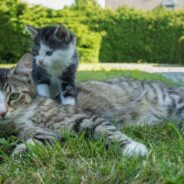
41 118
131 101
126 100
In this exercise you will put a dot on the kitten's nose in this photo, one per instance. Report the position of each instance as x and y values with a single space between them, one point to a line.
41 62
2 114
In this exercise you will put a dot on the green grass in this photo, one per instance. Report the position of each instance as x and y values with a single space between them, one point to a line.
86 161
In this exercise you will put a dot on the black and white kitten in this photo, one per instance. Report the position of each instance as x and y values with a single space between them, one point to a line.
55 61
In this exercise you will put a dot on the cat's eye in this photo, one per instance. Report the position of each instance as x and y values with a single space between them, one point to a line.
49 53
34 52
14 96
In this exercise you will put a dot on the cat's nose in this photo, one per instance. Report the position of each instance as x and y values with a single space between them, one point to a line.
41 62
2 114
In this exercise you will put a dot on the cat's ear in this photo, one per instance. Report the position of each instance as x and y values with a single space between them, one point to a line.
32 30
62 33
24 65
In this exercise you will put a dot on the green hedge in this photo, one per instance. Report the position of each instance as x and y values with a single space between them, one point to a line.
131 35
124 35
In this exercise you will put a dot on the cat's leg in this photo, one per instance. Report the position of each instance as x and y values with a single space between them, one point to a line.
96 127
42 134
12 127
34 136
42 81
129 146
68 92
43 90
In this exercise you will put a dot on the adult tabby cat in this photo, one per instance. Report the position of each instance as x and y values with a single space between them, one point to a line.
126 100
40 118
55 61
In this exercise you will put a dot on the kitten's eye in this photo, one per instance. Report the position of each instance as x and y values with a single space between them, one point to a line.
14 96
49 53
34 52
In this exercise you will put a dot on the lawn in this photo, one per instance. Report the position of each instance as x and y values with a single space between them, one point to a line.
86 161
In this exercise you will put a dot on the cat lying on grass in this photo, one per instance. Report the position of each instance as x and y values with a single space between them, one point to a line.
131 101
40 118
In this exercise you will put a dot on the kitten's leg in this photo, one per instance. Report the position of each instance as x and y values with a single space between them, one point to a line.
42 81
43 90
66 97
97 127
68 89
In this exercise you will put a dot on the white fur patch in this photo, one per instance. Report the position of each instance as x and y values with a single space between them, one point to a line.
2 102
60 60
43 90
135 149
67 100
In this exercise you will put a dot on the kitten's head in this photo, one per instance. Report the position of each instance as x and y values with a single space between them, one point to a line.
52 45
18 90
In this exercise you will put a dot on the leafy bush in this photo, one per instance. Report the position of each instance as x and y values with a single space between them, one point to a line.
124 35
181 45
132 35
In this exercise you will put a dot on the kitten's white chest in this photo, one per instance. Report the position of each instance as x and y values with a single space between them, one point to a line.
63 59
58 61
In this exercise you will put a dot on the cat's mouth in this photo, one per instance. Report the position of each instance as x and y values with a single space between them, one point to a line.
8 118
42 65
7 124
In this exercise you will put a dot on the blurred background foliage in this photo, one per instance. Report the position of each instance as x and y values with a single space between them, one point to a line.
104 35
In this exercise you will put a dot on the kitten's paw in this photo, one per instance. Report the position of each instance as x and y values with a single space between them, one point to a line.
68 101
43 90
135 149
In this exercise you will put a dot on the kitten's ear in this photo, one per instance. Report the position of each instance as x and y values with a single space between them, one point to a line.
32 30
61 33
24 65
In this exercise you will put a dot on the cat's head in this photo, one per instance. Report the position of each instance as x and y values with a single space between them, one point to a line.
52 45
18 90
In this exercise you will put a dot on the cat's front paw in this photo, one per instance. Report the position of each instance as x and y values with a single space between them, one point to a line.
135 149
23 147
